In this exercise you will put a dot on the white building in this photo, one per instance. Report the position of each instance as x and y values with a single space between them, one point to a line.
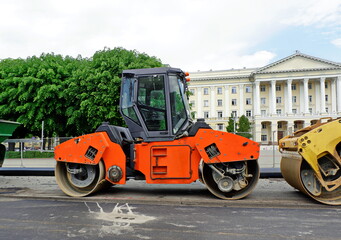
279 98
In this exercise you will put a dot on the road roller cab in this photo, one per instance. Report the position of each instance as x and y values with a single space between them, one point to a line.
161 145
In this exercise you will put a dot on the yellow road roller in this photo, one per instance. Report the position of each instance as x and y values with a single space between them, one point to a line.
311 160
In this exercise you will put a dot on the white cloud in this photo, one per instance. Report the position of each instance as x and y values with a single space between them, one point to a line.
315 12
190 34
337 42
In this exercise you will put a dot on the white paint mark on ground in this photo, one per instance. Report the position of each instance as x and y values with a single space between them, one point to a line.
119 221
142 237
182 225
305 233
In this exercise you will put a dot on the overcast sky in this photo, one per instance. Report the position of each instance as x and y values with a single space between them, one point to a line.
189 34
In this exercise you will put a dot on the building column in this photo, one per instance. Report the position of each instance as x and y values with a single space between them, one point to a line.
274 131
323 95
213 103
256 99
241 100
257 130
338 93
317 99
227 101
333 97
289 95
290 127
200 113
306 96
273 97
306 123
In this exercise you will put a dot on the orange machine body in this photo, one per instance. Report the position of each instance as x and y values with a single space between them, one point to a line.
168 162
76 151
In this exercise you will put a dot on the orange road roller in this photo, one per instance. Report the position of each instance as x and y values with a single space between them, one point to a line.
311 160
161 144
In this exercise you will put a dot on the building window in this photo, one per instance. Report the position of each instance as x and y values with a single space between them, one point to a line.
220 126
310 110
263 126
248 101
234 90
220 102
206 115
310 86
263 112
192 103
325 85
326 97
293 99
264 138
310 98
219 90
263 100
262 88
279 125
234 113
234 102
327 110
294 110
220 114
192 90
205 103
278 99
205 91
293 87
248 89
278 88
248 113
279 111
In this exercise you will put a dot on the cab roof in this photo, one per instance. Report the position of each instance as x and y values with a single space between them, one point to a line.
149 71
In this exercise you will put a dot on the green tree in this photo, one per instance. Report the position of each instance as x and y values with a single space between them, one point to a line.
95 87
232 126
71 95
32 92
244 127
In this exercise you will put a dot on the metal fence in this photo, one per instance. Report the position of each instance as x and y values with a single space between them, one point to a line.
34 144
269 154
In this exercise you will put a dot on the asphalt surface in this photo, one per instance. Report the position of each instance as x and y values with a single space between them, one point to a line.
35 208
54 220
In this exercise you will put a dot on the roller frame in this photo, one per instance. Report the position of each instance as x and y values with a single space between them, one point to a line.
167 162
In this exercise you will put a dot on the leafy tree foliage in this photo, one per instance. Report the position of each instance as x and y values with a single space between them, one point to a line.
71 95
244 127
231 125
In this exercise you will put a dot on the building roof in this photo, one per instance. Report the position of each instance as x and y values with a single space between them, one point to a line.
222 74
319 64
297 62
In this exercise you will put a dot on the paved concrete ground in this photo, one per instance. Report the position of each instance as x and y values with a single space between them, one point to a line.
30 163
268 192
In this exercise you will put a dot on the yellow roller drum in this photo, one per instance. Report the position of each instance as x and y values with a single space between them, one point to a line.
311 160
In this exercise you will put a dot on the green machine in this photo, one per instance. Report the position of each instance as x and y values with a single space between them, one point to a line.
6 130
